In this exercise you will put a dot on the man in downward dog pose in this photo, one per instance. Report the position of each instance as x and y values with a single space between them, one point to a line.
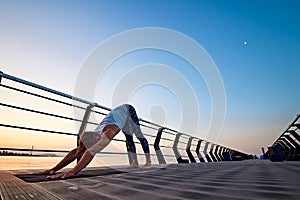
123 118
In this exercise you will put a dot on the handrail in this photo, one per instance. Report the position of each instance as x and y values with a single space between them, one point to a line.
31 84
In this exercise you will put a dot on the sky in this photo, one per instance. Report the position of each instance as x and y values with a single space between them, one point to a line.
254 46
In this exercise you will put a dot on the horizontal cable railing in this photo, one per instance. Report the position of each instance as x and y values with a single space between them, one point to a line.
165 142
287 145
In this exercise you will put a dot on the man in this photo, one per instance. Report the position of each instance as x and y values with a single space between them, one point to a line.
123 118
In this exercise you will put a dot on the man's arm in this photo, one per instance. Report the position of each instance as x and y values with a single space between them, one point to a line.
88 155
70 157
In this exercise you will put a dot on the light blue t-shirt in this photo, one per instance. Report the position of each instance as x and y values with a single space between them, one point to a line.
118 116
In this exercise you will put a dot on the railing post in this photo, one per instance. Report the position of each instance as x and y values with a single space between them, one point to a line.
297 146
176 152
211 153
198 151
281 148
297 125
236 156
188 150
276 153
291 147
160 156
217 153
222 149
295 135
206 153
233 155
84 123
1 76
227 154
288 148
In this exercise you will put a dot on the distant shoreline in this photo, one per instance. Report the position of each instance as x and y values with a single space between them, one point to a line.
7 153
32 155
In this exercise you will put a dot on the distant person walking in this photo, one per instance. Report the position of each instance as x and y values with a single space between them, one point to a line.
123 118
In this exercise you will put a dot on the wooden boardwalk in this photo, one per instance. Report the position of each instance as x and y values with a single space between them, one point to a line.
250 179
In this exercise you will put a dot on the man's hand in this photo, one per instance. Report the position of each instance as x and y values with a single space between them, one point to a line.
62 175
49 171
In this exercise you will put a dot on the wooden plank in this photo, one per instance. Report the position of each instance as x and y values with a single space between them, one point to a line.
13 188
247 180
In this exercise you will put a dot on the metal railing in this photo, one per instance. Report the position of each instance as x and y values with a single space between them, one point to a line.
169 145
287 145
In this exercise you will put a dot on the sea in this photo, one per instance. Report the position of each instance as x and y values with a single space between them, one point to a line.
27 162
40 162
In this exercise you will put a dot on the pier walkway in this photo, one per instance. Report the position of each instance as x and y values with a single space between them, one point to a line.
248 179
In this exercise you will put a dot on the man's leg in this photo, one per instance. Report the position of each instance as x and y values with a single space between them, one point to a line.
131 150
145 146
135 126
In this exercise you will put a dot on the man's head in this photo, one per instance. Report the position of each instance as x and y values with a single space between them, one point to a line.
88 139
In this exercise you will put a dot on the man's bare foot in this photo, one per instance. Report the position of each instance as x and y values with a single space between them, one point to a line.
146 166
134 164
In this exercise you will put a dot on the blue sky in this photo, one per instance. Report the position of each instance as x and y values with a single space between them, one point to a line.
254 44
